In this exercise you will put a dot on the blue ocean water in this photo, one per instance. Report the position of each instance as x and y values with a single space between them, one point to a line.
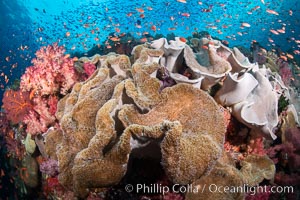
26 25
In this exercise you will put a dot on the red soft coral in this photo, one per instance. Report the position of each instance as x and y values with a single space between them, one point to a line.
256 146
9 138
16 105
262 194
52 72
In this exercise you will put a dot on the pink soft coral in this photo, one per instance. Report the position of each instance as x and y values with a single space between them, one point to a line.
288 153
285 71
52 72
42 116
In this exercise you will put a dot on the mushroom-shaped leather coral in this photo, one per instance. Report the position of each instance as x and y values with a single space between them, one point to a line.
78 120
256 168
94 59
236 89
200 47
104 162
91 167
193 151
96 166
227 182
259 110
217 69
118 64
205 71
144 88
53 138
222 176
237 60
171 51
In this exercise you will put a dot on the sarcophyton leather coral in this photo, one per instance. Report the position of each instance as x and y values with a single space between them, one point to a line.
225 175
103 119
123 109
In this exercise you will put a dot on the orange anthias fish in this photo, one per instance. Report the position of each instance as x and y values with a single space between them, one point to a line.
245 24
272 12
153 28
141 10
185 14
274 32
115 39
296 52
289 56
182 39
283 57
143 40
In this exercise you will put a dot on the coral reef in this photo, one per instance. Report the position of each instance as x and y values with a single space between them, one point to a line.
92 114
197 108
